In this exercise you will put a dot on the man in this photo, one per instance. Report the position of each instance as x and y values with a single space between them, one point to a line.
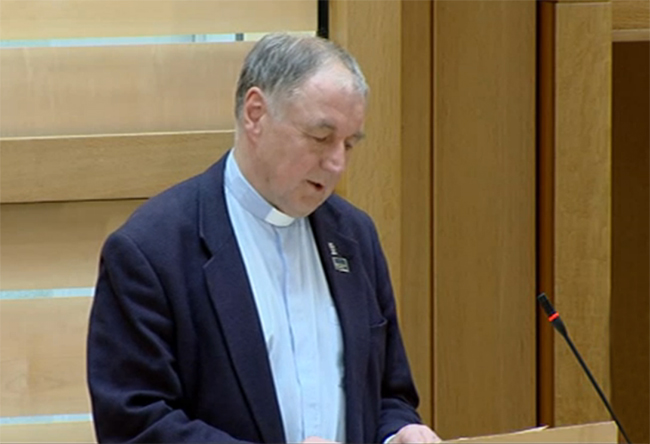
248 303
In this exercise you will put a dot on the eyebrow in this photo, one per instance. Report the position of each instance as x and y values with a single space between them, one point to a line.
360 135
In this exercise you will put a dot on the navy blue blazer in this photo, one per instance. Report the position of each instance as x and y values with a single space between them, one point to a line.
175 346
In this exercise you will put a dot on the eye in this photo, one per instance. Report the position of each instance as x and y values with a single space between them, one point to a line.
351 143
319 139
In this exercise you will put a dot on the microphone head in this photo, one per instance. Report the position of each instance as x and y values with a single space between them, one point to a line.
553 316
546 304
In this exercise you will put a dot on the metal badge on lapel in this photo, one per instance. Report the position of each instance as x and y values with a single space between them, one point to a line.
340 263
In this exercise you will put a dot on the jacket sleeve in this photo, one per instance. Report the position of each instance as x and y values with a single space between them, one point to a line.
399 398
135 390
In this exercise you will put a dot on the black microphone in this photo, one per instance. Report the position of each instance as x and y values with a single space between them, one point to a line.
554 318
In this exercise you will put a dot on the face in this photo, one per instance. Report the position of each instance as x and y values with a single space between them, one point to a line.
299 149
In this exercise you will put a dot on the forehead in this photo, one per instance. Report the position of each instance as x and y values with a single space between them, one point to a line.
328 99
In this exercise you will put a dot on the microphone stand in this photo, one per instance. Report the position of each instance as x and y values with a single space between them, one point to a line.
554 318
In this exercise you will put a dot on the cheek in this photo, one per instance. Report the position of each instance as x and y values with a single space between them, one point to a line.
291 160
301 163
294 173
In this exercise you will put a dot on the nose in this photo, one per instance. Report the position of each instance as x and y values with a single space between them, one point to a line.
335 159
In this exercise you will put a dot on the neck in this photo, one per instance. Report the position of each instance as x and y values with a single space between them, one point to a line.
243 155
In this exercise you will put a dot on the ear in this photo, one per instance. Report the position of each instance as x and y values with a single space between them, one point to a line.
254 109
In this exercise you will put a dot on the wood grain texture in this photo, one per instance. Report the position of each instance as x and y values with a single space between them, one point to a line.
631 14
373 179
630 312
43 362
631 35
484 216
56 245
417 196
582 205
70 432
118 89
109 167
47 19
575 1
601 432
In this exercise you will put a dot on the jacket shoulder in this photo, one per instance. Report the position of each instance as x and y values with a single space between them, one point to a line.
350 214
165 215
353 221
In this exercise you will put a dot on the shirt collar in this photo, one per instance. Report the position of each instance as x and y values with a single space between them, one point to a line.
249 198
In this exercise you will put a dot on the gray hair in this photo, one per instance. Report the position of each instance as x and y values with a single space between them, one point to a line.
280 63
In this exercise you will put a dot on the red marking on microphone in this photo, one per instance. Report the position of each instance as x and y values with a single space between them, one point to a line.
553 317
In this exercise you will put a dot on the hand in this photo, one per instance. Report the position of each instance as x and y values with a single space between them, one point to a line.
415 433
316 439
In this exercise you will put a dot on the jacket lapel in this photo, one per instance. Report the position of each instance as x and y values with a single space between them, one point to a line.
347 289
233 301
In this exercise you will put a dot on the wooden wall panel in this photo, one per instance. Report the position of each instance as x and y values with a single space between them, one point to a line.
630 313
630 14
484 216
631 35
43 362
582 121
631 20
119 89
47 19
109 167
372 180
56 245
417 196
72 432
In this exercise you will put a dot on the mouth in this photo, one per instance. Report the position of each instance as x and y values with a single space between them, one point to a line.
317 186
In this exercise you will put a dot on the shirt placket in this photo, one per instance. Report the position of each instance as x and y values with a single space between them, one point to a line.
304 331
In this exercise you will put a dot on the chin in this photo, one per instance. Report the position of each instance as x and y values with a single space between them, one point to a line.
306 207
304 210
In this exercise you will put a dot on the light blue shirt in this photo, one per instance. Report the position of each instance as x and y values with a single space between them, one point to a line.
299 320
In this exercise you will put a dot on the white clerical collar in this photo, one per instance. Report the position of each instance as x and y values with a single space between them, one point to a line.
249 198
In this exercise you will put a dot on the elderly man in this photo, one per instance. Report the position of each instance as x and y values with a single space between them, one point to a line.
249 303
